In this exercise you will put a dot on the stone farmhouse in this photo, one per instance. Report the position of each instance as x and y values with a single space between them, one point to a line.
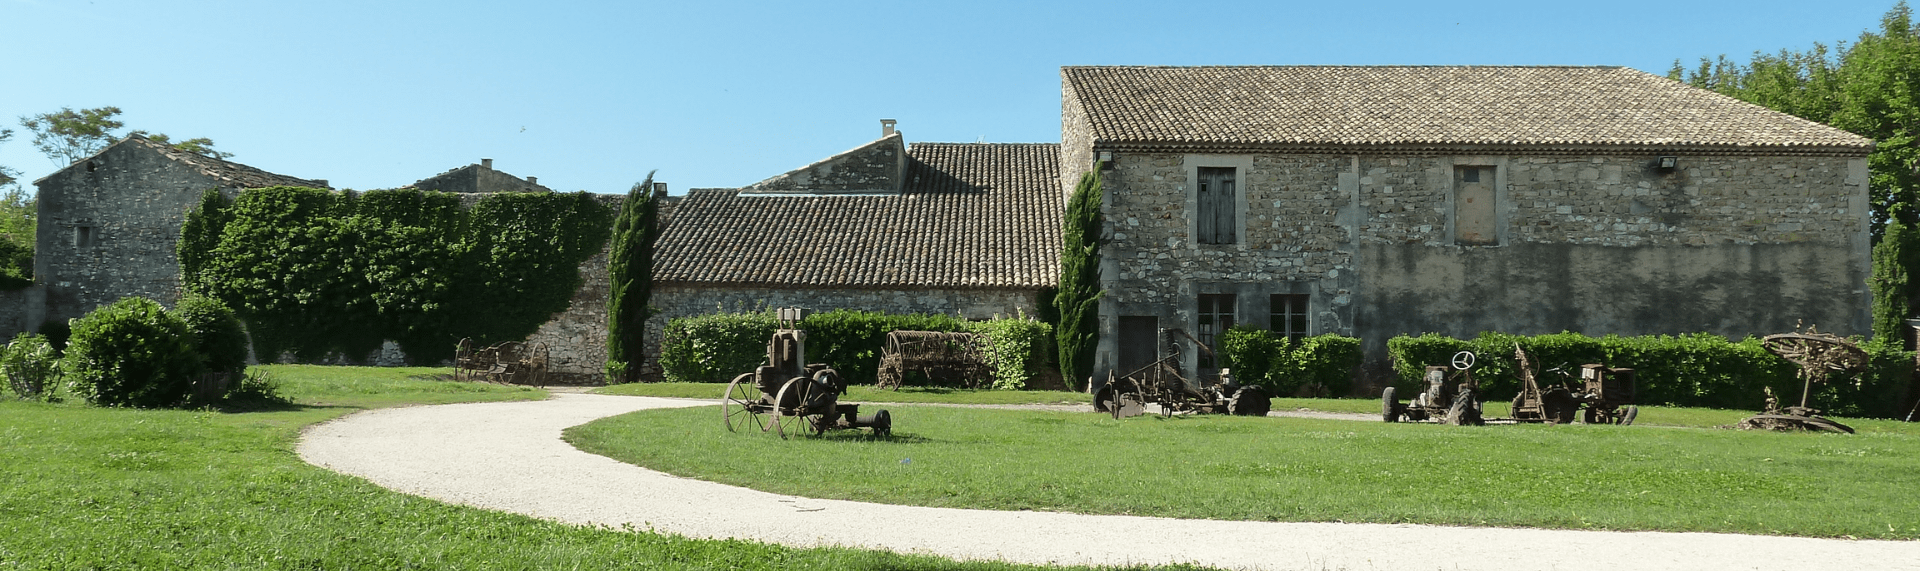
1376 201
1364 201
958 228
109 223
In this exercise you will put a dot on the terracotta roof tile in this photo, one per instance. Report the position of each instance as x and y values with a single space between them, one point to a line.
971 216
1428 106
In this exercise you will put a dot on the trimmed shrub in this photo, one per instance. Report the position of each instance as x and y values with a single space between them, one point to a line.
1696 370
1318 365
131 353
718 346
218 336
32 367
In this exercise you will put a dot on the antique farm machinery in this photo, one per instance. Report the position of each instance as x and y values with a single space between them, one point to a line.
791 397
1817 354
510 362
1441 402
1605 393
947 359
1160 383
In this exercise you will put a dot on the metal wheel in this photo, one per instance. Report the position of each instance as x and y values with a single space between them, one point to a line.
740 407
1463 360
1627 416
1388 406
791 416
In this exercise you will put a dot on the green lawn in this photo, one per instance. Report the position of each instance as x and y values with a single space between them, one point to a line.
866 393
1291 469
92 488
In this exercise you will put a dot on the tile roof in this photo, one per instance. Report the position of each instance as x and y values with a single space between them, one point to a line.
1436 106
230 174
972 216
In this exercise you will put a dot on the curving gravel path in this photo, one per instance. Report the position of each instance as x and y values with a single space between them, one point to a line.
509 456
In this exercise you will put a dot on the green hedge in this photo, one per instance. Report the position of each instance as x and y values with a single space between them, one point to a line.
716 347
315 272
1699 370
1284 367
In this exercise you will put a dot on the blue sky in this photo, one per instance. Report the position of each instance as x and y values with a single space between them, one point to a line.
593 95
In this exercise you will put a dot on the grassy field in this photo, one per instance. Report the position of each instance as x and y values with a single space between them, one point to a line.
92 488
1290 469
866 393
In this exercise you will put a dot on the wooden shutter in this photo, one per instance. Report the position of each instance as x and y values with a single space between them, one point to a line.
1215 216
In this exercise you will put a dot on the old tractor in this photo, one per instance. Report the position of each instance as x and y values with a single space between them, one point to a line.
1817 354
791 397
1448 398
1160 383
1605 393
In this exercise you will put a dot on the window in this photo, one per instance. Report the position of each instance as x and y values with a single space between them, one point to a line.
1216 316
1288 315
1474 220
84 237
1215 217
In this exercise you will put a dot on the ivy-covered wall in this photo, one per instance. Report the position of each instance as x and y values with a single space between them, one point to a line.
315 272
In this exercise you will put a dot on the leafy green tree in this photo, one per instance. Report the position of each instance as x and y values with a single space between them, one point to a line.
1870 88
66 135
1890 282
17 215
630 266
1079 298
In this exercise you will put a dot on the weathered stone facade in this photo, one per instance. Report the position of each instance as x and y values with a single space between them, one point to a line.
876 167
109 223
1585 231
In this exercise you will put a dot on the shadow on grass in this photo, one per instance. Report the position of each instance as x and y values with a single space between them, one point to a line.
868 436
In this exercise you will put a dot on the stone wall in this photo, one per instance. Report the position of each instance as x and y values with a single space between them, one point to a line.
876 167
684 300
1733 245
1076 138
19 311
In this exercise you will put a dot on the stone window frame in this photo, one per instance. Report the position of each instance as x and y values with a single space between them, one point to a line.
1242 189
1502 203
84 236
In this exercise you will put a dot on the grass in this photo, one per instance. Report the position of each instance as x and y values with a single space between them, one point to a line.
866 393
1291 469
93 488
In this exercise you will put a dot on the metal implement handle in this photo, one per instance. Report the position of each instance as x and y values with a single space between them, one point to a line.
1463 360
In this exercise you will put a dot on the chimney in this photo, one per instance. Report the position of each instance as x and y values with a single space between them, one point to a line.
659 189
486 163
886 127
533 180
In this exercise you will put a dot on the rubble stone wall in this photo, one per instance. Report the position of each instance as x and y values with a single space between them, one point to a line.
1733 245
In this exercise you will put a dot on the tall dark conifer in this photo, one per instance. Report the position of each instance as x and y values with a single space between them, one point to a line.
630 264
1079 298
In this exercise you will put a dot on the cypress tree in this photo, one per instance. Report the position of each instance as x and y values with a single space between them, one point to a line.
1890 277
1078 300
630 265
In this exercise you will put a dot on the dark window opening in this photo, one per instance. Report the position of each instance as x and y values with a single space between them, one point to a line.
84 237
1215 217
1288 316
1216 317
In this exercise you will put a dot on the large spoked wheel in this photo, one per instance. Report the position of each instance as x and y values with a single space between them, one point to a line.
741 406
1389 406
792 417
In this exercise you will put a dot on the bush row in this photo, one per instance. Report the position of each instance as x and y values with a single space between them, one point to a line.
135 353
717 346
1321 365
1699 370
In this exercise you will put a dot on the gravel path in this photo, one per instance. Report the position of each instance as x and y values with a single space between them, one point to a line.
509 456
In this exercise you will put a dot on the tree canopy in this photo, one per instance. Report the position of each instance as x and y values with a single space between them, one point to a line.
1870 88
67 135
